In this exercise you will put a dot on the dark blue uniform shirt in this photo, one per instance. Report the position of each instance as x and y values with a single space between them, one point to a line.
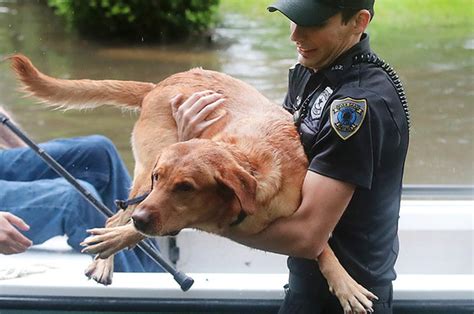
354 129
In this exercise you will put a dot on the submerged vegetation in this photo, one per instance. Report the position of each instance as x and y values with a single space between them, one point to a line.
151 20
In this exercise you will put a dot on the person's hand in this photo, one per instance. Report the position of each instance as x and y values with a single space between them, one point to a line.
192 115
11 240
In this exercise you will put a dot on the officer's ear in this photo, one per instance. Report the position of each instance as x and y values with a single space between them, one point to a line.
361 21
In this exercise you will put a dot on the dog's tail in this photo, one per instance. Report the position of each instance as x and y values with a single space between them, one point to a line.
78 93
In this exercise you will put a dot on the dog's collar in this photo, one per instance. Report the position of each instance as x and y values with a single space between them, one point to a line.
240 218
124 204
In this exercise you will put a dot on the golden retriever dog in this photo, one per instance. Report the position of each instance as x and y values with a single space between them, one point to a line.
241 174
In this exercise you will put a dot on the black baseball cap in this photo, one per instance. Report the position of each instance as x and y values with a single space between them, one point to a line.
316 12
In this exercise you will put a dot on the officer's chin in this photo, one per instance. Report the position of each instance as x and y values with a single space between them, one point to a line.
308 62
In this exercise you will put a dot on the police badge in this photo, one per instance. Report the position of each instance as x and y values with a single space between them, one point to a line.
317 109
347 116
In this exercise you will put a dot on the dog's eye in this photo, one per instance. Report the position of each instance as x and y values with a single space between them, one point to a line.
183 187
155 177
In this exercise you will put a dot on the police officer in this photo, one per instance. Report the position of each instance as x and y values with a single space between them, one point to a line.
352 116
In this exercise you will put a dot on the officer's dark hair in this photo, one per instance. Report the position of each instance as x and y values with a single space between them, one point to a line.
348 13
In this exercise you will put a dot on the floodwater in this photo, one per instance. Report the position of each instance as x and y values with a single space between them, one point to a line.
437 73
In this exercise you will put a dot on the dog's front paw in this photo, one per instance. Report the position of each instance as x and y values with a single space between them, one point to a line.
116 219
353 297
101 270
107 241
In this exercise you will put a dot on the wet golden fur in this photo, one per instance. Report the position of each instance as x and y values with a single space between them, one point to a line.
250 161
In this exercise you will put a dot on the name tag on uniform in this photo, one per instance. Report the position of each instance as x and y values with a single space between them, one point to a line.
319 103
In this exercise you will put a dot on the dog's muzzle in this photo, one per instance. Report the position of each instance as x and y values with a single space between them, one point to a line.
141 220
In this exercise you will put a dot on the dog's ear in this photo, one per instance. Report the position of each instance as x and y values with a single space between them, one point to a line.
244 187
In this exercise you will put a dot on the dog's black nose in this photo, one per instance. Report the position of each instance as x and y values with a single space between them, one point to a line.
141 219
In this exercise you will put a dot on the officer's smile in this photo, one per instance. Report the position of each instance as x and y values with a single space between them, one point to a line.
305 52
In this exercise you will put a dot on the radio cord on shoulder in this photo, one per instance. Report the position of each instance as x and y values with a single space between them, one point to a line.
374 59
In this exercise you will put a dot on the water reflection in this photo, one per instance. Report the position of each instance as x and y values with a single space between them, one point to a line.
437 72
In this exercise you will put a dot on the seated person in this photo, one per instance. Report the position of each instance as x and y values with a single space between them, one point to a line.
36 204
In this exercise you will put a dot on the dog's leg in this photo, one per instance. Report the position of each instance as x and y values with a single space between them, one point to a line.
117 235
101 270
107 241
353 297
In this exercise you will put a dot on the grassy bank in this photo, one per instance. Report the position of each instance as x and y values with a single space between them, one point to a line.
405 14
401 30
426 21
401 14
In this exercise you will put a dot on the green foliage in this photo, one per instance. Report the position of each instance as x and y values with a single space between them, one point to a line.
146 20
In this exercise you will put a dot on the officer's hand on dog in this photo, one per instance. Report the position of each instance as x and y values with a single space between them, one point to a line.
11 240
193 115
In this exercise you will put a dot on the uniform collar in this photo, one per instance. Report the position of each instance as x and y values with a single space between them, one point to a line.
335 72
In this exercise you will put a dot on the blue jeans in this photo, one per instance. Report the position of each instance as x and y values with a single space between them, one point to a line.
51 206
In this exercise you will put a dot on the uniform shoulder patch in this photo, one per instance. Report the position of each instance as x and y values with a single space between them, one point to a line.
347 116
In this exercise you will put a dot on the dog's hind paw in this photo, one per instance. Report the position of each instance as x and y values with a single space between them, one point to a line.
353 297
101 270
